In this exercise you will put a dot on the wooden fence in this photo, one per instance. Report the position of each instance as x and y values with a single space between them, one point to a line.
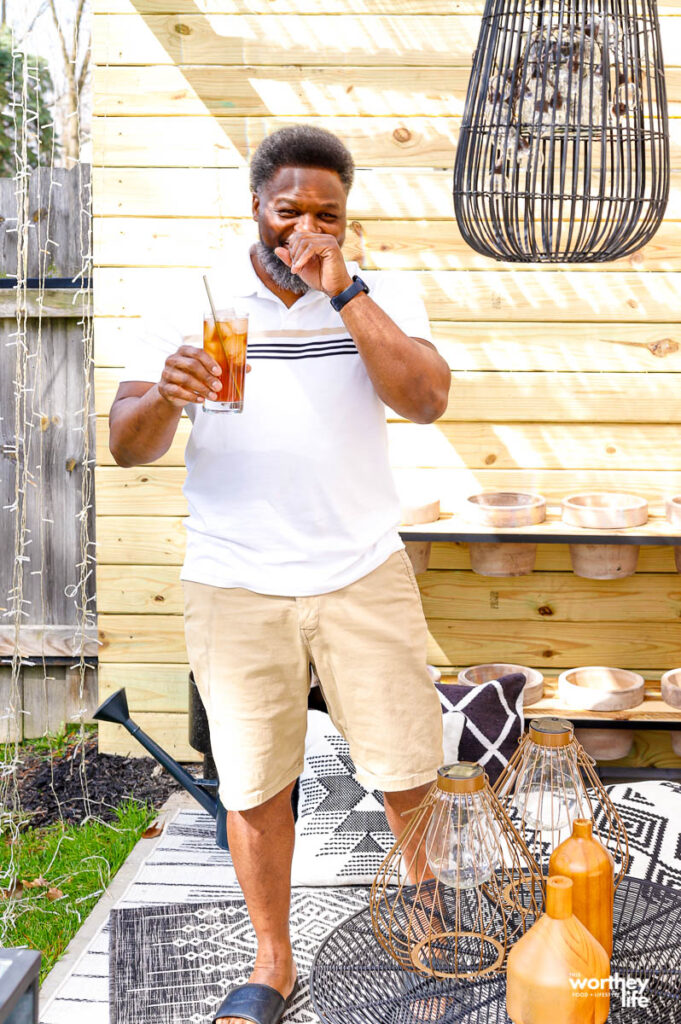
562 378
49 442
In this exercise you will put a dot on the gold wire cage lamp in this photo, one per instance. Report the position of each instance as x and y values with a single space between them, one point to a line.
459 886
548 783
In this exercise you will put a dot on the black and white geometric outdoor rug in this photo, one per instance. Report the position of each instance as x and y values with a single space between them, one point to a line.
174 965
186 868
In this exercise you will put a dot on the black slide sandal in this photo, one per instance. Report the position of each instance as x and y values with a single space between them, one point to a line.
260 1004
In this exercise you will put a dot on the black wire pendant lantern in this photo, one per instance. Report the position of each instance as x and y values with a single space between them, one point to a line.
563 155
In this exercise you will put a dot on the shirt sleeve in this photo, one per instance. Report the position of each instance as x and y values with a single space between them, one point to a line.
402 302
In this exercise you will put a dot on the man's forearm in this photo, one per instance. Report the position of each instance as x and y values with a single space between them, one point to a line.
411 378
142 428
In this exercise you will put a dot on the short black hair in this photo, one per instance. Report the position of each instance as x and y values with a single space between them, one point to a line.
301 145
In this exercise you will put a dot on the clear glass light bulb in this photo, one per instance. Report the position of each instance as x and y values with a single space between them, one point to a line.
460 847
545 794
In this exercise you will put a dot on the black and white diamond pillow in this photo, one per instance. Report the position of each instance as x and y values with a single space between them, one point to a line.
494 719
342 834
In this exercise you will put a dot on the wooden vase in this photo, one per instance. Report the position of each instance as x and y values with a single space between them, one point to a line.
558 972
591 869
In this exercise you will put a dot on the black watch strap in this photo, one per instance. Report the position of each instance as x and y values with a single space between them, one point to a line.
357 286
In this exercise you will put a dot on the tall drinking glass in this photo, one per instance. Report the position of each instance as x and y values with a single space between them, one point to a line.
225 338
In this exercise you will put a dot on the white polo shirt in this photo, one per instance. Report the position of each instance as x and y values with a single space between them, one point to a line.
294 496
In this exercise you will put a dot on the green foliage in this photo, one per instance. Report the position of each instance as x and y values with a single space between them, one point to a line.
40 131
57 874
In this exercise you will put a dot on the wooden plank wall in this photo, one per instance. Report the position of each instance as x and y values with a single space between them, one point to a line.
562 378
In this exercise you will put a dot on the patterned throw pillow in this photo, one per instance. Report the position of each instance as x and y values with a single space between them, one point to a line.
342 834
494 719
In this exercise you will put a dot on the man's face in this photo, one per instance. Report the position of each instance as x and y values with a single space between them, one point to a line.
300 199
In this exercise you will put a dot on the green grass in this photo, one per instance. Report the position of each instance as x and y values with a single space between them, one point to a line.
78 860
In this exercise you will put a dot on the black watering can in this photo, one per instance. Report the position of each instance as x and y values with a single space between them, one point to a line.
115 709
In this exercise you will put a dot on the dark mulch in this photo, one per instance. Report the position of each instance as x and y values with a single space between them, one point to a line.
45 786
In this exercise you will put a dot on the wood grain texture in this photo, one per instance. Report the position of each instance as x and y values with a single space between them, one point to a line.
223 192
586 347
60 641
317 40
155 688
493 445
359 7
160 540
213 141
169 730
454 295
144 490
558 597
160 638
508 397
293 91
374 244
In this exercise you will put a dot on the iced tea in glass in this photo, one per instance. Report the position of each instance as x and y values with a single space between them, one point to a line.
225 339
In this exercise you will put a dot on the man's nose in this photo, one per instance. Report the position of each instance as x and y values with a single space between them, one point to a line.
309 222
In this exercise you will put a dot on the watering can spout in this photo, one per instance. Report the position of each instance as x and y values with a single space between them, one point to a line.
115 709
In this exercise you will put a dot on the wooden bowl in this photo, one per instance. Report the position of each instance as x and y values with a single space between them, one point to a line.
605 511
599 688
506 508
673 510
419 554
606 744
604 561
477 674
492 559
670 685
412 514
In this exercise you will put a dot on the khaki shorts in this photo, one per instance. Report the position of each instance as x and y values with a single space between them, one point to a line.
250 654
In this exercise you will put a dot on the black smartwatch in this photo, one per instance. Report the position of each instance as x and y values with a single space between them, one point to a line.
357 286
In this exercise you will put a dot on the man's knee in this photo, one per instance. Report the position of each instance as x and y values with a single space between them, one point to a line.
277 805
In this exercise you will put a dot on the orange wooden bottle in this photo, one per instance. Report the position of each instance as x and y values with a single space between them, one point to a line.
558 972
591 867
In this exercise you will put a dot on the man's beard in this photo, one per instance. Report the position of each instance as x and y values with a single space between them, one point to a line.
279 272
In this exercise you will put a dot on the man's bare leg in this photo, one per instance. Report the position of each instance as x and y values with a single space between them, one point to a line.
396 804
261 844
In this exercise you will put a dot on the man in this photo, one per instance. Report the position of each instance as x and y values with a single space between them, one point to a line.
293 555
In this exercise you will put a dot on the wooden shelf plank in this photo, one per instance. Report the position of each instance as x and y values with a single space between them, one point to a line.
553 531
653 708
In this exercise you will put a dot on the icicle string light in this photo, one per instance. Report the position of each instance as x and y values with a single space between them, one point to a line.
27 451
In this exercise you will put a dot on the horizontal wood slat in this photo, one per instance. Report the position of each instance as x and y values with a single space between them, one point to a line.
160 540
213 141
452 294
55 302
168 730
145 490
375 245
158 678
163 90
51 641
560 597
151 540
160 638
223 192
633 348
149 688
499 446
359 7
510 397
343 39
